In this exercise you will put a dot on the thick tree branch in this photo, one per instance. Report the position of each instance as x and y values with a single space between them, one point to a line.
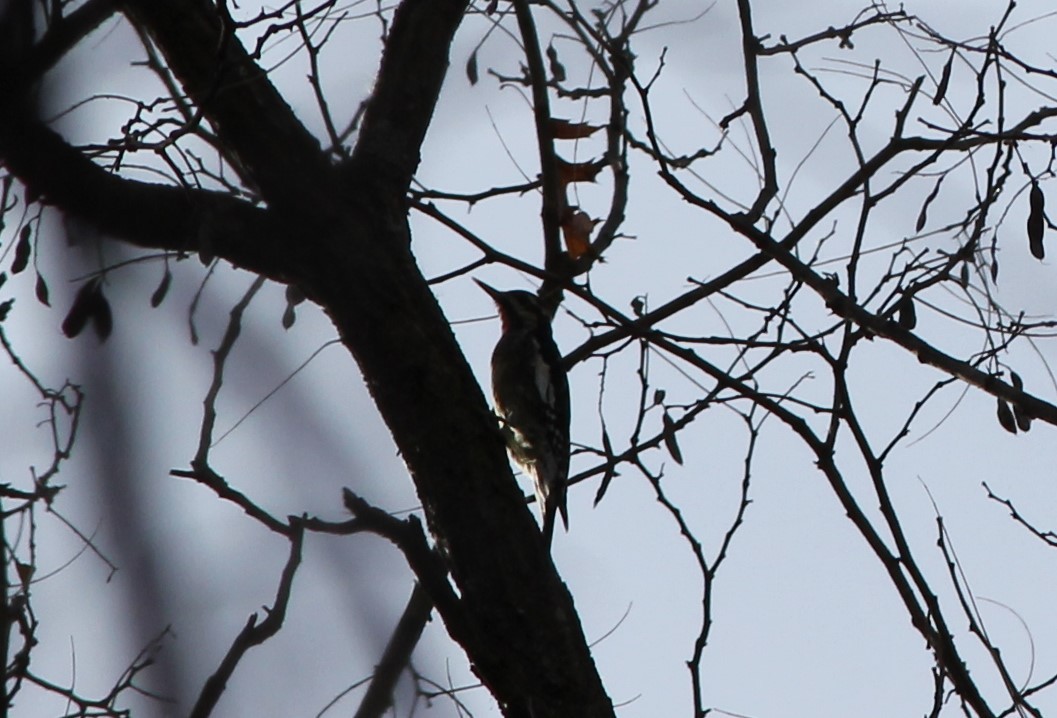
64 34
141 213
234 94
398 114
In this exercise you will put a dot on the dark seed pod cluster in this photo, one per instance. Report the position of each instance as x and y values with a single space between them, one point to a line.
89 305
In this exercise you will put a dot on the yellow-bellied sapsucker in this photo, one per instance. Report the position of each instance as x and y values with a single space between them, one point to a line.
531 393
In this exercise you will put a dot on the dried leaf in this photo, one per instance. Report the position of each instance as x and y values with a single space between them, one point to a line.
669 438
578 172
1005 417
994 270
5 308
289 316
945 79
471 68
577 228
558 73
42 291
638 306
908 315
25 572
21 260
565 130
163 289
658 396
1036 223
963 275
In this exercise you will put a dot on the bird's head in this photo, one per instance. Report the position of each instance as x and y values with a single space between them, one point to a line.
517 308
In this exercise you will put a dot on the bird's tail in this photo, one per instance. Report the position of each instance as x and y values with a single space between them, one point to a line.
552 504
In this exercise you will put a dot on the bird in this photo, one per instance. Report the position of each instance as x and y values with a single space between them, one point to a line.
531 392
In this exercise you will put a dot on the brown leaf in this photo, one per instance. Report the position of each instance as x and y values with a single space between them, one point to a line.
25 572
565 130
557 68
578 172
577 228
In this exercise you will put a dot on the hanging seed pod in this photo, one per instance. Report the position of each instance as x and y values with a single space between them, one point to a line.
80 311
89 304
669 438
923 215
289 316
42 291
945 81
21 260
471 68
163 288
907 315
1036 223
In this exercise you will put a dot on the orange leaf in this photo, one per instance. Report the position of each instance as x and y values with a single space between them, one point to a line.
565 130
577 227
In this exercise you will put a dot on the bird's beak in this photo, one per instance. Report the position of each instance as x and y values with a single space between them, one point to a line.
492 291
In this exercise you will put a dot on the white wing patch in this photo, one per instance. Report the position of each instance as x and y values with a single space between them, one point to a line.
544 384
